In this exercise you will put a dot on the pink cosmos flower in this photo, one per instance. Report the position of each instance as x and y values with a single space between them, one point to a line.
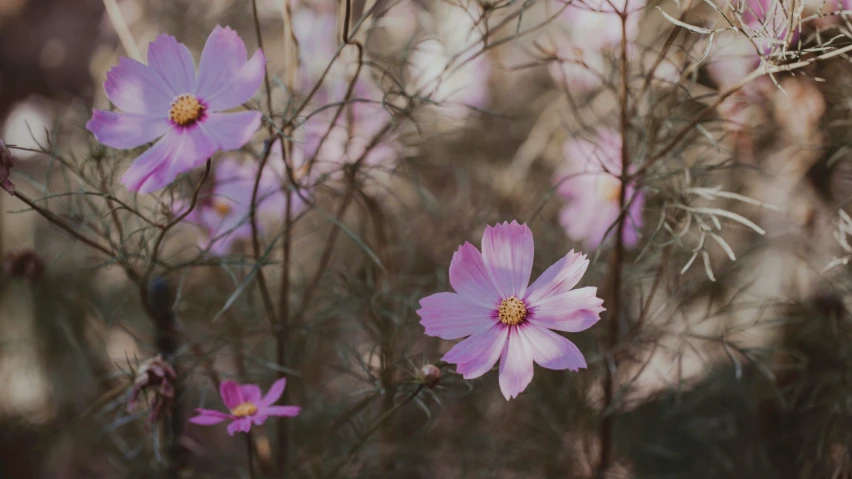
166 100
224 213
246 406
591 184
505 319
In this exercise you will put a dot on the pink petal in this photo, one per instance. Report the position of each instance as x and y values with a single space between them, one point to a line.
483 363
559 278
469 277
239 425
230 131
225 79
173 61
178 151
516 365
135 88
507 251
208 417
224 53
571 312
251 393
551 350
274 393
286 411
451 316
126 130
231 394
475 345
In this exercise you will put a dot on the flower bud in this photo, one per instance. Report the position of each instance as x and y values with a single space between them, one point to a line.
23 264
430 375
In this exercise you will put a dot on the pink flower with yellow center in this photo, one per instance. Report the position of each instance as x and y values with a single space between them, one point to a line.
167 100
591 184
506 318
246 406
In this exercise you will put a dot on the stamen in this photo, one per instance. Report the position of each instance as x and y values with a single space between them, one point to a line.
222 207
512 311
186 109
244 409
609 188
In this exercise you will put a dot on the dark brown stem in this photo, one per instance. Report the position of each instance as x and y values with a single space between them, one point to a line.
284 309
155 252
250 455
56 220
617 266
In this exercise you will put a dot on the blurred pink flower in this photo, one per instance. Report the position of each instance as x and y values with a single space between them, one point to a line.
166 100
454 83
246 406
7 162
504 318
591 184
225 212
449 67
588 31
330 141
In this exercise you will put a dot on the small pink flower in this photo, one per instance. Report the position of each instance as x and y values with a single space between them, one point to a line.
166 100
591 184
505 319
7 162
246 406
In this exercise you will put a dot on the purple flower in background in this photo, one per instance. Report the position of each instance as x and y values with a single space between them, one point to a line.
329 141
591 184
225 212
7 162
166 100
589 30
505 319
246 406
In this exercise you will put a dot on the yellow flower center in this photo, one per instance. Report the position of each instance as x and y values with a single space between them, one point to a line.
512 311
244 409
609 188
186 109
222 207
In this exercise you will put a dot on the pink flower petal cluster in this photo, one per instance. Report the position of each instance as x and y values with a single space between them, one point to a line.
246 407
166 99
225 211
589 30
503 316
591 185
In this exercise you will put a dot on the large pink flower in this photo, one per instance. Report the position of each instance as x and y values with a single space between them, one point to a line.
506 319
246 406
591 184
166 100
